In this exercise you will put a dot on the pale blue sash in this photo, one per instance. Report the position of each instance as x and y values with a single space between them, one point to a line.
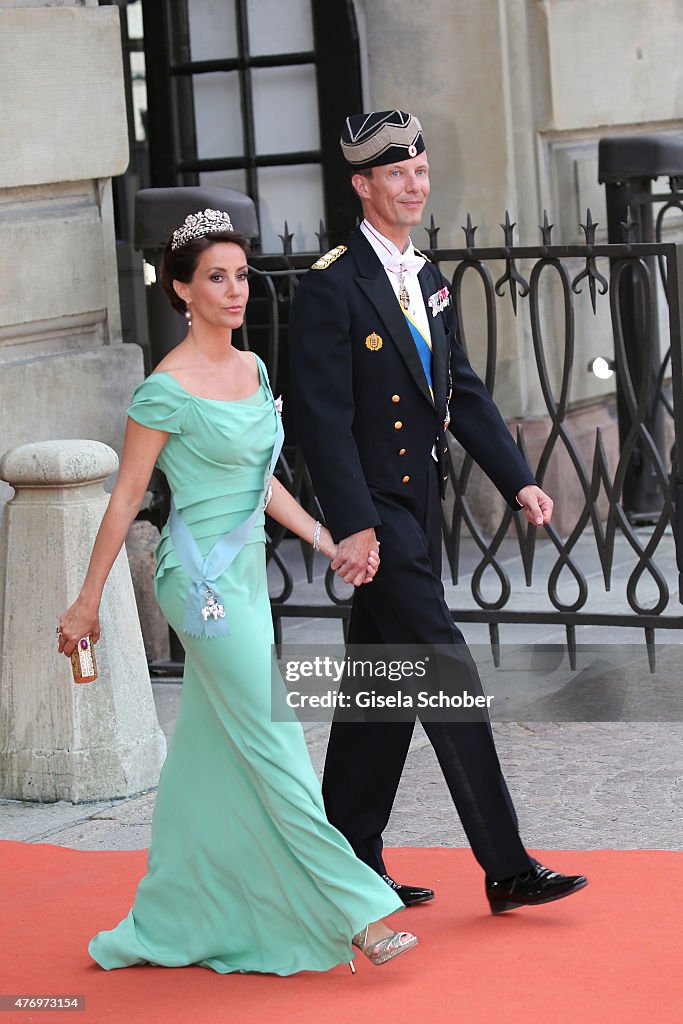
424 349
204 611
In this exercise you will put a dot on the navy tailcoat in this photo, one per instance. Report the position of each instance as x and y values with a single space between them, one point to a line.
364 414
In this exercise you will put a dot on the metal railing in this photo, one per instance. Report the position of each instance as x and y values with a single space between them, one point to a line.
508 544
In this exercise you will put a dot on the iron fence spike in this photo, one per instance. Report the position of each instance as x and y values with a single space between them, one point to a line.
494 639
629 227
589 228
323 237
508 229
571 646
469 233
546 229
651 651
432 232
286 240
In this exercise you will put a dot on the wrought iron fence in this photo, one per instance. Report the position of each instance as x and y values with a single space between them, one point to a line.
506 545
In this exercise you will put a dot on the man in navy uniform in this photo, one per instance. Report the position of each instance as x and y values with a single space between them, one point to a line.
378 375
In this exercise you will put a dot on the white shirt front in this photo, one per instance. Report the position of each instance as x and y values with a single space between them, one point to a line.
390 257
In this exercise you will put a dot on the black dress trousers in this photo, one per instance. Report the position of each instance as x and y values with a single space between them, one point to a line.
405 604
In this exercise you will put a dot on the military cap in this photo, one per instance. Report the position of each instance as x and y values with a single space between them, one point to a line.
381 137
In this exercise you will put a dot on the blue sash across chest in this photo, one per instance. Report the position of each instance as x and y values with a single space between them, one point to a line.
424 349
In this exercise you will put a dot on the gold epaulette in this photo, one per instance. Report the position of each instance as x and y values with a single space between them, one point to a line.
329 257
418 253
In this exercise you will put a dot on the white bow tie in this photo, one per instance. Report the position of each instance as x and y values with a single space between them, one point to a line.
408 262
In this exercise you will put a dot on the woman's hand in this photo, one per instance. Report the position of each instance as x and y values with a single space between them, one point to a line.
140 450
355 559
373 566
80 620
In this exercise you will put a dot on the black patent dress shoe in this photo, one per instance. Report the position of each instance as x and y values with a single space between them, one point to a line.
531 888
410 894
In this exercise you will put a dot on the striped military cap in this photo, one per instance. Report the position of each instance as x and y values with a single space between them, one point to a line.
381 137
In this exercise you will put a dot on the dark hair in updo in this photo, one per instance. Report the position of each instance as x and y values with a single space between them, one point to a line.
180 264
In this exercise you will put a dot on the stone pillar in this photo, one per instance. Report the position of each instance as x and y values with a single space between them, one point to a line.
59 740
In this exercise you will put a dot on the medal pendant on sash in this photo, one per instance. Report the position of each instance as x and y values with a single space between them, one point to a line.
403 295
213 608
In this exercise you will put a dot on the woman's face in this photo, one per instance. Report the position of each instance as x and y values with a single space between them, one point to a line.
218 291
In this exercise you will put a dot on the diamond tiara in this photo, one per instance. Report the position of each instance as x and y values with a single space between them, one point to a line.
196 225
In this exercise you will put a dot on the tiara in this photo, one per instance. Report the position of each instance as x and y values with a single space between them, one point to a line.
196 225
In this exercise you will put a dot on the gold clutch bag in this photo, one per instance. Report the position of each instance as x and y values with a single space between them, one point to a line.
83 664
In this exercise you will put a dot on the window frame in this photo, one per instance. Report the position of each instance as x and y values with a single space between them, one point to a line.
171 122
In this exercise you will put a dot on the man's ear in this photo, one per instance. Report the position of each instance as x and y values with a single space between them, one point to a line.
360 185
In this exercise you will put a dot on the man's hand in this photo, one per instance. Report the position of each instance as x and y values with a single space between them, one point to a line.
353 555
538 507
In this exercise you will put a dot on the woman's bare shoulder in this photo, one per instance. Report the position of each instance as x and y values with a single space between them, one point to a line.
251 360
176 359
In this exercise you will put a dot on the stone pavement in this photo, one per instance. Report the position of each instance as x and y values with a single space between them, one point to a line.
593 758
576 785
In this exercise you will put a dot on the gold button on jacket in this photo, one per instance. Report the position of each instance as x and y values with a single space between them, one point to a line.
406 479
397 425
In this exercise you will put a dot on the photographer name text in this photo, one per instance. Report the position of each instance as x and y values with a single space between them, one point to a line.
372 699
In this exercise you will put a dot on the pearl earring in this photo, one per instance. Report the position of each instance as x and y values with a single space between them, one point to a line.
188 314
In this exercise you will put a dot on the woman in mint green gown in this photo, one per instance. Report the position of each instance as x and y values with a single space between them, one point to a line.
244 871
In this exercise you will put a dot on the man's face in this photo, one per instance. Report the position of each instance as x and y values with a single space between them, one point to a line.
395 195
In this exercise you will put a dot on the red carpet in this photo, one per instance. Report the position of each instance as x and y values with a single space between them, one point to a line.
612 953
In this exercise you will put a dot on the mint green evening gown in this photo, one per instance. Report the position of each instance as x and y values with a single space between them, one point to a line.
244 871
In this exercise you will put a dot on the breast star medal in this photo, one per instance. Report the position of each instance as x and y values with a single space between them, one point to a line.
373 342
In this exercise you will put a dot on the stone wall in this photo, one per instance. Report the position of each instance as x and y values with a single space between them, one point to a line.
63 369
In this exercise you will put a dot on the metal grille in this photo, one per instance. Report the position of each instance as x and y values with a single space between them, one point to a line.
602 526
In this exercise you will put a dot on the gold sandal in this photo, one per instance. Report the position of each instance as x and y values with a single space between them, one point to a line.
385 949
